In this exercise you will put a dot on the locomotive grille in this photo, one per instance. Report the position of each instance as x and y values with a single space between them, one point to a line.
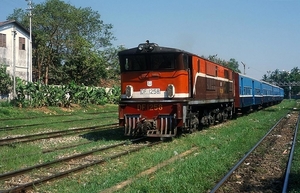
130 123
165 127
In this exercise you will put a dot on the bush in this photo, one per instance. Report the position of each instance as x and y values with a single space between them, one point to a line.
38 94
5 81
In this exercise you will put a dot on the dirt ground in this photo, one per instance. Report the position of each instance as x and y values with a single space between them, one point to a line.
264 170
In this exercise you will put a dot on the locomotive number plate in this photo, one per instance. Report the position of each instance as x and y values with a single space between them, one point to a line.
149 107
150 91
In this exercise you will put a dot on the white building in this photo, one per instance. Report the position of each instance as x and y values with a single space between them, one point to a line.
15 50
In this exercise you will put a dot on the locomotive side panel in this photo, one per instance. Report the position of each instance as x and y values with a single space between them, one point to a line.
199 78
213 93
214 83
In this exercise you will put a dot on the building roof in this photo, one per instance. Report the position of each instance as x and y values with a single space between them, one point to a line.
3 23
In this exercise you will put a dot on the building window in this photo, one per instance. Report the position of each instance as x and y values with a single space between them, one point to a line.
2 40
21 43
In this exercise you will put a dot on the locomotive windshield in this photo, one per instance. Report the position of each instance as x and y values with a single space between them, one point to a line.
143 62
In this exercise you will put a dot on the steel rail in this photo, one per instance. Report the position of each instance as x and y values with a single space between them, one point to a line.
77 169
289 164
24 170
62 115
243 159
28 138
36 124
45 151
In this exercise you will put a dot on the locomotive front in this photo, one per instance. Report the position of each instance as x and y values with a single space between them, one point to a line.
154 90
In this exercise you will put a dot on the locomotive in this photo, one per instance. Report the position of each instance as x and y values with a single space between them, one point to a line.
165 91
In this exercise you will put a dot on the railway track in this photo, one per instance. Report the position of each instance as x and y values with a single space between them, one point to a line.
265 167
12 127
45 151
24 179
48 116
54 134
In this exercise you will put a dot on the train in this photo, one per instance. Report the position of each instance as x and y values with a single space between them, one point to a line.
166 91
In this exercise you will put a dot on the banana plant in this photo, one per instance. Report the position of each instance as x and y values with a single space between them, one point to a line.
38 94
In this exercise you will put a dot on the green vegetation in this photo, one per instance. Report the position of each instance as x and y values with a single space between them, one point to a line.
5 81
39 95
69 45
218 149
72 58
287 77
46 120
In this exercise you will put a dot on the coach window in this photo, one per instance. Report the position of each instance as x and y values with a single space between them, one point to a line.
198 65
257 91
216 70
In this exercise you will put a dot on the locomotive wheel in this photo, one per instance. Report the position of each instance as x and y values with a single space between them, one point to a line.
211 120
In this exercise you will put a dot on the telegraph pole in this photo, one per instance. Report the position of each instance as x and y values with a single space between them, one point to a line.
244 68
14 33
30 41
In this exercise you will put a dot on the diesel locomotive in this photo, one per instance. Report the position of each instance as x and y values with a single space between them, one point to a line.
165 91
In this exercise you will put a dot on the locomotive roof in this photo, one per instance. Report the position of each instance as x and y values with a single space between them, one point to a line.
151 48
155 48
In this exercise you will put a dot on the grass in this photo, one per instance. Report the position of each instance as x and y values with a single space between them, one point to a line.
52 123
14 112
12 156
218 149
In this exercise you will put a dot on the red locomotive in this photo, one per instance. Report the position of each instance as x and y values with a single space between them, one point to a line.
166 90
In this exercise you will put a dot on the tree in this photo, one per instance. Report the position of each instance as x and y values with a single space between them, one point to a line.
112 61
285 77
66 35
232 63
5 81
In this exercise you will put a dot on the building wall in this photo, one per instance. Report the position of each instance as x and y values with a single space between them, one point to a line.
15 55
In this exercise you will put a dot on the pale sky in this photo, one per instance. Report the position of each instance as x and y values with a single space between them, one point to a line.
263 34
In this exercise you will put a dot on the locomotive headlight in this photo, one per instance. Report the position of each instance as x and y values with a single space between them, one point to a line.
141 47
171 91
129 91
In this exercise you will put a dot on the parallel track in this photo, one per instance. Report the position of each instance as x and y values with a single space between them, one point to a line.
225 180
47 116
29 185
54 134
37 124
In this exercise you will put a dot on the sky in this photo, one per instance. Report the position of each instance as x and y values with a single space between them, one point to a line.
262 34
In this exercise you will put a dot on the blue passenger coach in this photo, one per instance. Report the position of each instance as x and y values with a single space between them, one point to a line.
251 93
